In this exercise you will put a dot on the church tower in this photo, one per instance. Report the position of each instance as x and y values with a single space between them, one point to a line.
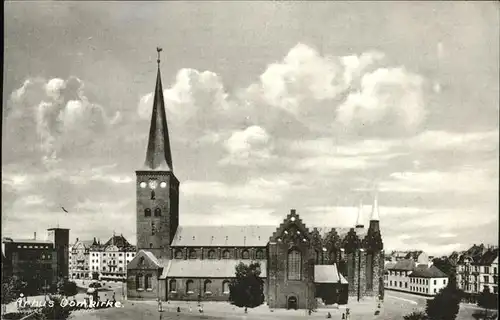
157 187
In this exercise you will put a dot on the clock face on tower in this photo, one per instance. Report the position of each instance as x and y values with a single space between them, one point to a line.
143 184
163 184
153 183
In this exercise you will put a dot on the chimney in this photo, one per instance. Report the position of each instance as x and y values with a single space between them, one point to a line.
292 211
34 236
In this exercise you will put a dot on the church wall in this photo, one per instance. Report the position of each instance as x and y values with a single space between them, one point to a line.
198 288
134 293
279 287
203 252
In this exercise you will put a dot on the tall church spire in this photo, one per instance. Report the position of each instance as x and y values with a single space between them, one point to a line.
158 155
375 213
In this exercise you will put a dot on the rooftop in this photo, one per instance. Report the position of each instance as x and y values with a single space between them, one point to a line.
430 272
207 268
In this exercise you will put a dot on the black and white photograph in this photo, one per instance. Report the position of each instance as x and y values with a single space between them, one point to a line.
250 160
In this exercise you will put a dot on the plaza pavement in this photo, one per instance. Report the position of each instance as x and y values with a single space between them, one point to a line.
395 306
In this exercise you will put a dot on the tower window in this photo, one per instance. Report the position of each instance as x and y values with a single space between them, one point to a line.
225 254
192 254
178 254
150 245
157 212
153 195
259 254
147 212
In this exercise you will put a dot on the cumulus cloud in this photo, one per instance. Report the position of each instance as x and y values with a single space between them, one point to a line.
388 96
247 147
50 115
304 74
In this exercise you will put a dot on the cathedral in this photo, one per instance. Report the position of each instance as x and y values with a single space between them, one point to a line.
302 267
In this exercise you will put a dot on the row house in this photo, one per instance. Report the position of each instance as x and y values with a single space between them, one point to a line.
409 276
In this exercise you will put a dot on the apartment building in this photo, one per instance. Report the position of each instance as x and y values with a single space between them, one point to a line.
477 269
108 261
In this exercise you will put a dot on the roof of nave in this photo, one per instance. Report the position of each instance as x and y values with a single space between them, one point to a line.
223 236
206 268
239 236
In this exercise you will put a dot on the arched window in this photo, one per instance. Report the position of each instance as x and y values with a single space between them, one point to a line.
189 286
157 212
148 281
317 256
151 245
147 212
192 254
259 254
211 254
173 285
225 254
245 254
208 286
141 260
153 196
225 287
139 282
294 265
178 254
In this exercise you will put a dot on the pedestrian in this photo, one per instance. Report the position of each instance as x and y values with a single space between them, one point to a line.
329 316
178 309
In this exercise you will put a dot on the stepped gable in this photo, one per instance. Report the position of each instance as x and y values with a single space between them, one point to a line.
332 239
291 218
351 241
316 238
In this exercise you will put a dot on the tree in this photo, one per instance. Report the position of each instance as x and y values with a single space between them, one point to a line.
445 305
247 288
68 288
416 315
487 300
12 287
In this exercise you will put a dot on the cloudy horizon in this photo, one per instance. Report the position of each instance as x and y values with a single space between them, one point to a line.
312 106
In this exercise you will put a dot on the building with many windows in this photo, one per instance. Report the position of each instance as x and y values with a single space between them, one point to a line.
477 269
409 276
40 263
108 261
299 265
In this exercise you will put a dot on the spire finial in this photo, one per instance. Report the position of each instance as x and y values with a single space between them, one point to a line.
158 49
375 212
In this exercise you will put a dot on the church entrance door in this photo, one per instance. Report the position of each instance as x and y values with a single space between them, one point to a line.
292 303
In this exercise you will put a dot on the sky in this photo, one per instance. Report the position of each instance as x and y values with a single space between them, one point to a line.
315 106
